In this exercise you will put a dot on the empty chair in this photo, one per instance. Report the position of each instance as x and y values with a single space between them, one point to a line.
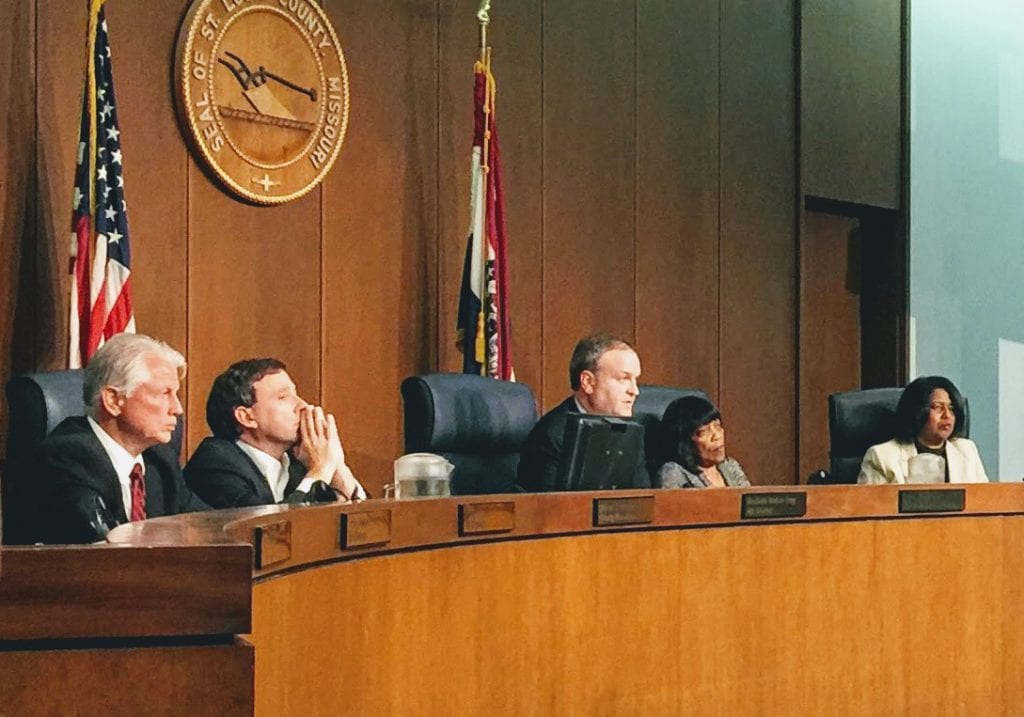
858 420
478 424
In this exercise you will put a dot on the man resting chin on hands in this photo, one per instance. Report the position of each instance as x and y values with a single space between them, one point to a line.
269 445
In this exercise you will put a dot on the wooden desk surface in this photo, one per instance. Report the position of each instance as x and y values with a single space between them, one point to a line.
314 532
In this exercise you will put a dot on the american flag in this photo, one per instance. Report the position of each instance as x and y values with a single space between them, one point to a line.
101 303
483 323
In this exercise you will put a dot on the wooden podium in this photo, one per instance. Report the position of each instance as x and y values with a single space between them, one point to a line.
812 600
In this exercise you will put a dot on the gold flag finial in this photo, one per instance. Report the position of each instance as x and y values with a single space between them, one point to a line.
483 16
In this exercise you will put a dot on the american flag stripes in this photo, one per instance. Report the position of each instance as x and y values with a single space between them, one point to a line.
100 267
483 322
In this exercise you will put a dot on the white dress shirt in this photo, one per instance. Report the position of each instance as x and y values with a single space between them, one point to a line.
274 471
123 462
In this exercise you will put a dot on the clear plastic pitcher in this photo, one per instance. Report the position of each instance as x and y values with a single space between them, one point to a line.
421 475
926 468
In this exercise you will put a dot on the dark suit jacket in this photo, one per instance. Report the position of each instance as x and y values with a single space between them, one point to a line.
74 475
225 477
538 461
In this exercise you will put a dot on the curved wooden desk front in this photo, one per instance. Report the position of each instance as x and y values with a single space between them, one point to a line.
853 608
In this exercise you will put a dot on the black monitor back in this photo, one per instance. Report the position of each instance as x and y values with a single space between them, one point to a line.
599 452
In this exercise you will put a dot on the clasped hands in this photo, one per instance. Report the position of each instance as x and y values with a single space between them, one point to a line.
320 450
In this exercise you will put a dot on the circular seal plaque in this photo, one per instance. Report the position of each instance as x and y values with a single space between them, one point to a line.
263 89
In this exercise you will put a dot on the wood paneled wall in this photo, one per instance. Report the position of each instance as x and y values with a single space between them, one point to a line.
651 184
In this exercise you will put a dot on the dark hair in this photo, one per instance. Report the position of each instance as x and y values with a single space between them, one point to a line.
681 420
915 403
589 351
232 389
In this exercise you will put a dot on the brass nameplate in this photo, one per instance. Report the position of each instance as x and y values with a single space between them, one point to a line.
272 543
481 518
623 511
932 501
773 505
362 530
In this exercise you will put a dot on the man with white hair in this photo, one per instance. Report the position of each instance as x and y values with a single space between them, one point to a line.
113 465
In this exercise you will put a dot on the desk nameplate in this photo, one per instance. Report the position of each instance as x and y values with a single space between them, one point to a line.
933 501
756 506
365 529
272 543
623 511
483 518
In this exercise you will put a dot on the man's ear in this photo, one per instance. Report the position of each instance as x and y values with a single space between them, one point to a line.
111 400
244 418
587 381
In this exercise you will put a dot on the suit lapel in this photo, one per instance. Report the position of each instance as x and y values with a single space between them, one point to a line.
296 472
252 472
106 476
155 500
907 451
955 462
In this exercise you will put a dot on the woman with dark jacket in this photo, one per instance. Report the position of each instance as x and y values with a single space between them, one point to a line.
693 448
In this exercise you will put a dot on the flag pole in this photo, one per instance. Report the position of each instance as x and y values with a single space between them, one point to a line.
484 18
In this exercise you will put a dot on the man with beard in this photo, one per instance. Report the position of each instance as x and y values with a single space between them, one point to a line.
269 445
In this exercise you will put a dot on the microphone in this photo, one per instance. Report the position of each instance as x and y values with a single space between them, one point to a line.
101 521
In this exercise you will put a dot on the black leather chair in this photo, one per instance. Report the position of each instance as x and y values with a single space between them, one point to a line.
858 420
36 403
648 411
478 424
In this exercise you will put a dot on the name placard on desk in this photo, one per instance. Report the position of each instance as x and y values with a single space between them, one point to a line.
484 518
933 501
272 543
623 511
365 529
773 505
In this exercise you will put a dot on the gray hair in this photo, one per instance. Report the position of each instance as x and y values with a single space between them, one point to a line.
121 363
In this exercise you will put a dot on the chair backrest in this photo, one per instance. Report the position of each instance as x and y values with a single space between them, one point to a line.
649 409
858 420
478 424
36 404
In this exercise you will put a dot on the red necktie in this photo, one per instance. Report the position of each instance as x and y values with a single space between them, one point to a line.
138 488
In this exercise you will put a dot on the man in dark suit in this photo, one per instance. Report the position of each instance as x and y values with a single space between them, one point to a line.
269 445
114 465
603 373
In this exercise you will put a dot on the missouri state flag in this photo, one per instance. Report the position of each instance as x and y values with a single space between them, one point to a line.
100 267
483 322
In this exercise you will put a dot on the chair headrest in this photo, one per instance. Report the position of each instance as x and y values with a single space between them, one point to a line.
454 412
39 401
858 420
653 400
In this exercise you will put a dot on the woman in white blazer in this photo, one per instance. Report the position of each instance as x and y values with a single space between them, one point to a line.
929 419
